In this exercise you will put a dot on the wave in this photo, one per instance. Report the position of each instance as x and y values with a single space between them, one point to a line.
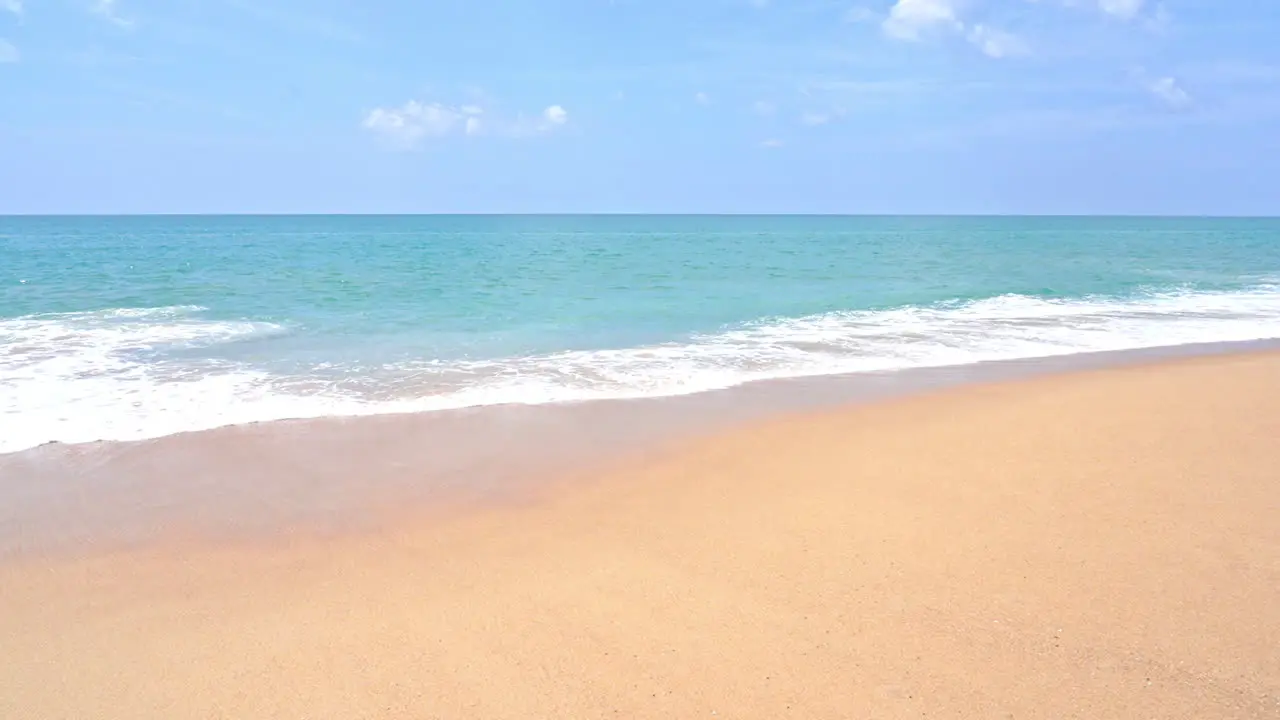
85 376
79 377
1006 327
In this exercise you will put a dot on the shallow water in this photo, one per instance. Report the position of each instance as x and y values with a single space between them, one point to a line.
134 327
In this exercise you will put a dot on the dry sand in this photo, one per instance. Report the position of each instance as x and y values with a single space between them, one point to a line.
1095 545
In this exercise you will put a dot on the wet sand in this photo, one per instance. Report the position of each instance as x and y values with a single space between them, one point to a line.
338 474
1096 544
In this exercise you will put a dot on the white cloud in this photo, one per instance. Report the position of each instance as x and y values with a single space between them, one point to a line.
764 107
702 98
771 143
914 20
996 43
556 115
13 6
473 124
910 19
813 119
407 126
1169 92
1124 9
8 52
549 120
108 11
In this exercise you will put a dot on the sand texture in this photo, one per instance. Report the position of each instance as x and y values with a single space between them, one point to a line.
1094 545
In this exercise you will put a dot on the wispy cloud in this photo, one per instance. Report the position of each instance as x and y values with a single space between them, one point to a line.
1155 13
1168 91
1123 9
1159 20
917 20
702 98
913 19
523 126
8 52
13 6
763 107
771 143
1164 88
407 127
107 10
996 43
556 115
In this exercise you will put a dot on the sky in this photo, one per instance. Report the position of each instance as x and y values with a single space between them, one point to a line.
681 106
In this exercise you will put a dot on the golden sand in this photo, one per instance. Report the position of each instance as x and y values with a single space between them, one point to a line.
1096 545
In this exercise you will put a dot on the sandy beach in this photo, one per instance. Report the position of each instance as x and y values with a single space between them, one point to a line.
1096 544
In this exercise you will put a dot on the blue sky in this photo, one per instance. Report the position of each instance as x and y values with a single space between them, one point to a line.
873 106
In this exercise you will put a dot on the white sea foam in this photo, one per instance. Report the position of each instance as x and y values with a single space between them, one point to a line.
80 377
89 376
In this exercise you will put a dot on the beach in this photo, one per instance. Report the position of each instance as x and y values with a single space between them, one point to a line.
586 360
1096 543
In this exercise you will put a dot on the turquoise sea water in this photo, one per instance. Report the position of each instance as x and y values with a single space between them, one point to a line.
132 327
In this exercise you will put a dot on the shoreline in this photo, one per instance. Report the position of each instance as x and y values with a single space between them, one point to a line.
264 479
980 371
1096 544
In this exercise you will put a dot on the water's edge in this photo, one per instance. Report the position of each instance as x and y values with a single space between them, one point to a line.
336 472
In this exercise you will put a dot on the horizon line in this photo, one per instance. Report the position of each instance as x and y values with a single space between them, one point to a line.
648 214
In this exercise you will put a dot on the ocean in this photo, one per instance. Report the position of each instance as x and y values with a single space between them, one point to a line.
121 328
